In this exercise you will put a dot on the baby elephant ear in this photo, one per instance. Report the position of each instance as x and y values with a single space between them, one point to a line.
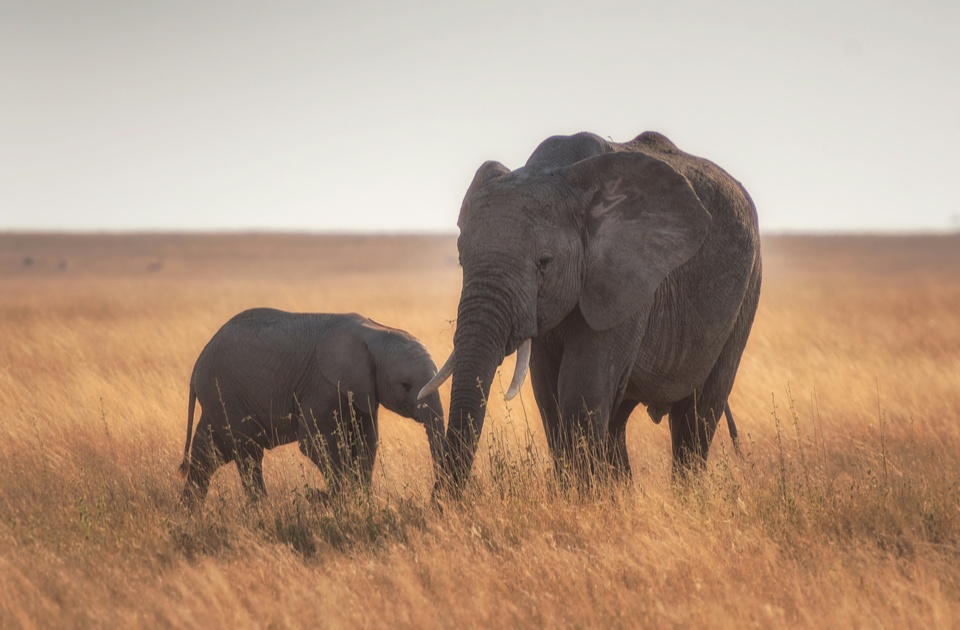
642 220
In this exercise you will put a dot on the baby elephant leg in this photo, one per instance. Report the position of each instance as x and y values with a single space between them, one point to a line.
343 446
363 446
250 467
322 439
206 456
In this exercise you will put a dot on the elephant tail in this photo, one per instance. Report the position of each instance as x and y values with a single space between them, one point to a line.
732 426
192 406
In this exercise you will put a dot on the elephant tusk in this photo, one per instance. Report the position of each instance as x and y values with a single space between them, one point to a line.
439 379
520 371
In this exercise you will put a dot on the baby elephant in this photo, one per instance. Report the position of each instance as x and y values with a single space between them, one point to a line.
269 377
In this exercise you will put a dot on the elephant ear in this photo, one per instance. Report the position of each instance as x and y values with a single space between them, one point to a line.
488 171
642 220
348 367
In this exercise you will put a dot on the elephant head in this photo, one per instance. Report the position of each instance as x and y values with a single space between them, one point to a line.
403 367
598 234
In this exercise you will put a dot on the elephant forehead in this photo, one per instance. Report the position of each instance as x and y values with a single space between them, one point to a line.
402 347
509 215
495 239
517 192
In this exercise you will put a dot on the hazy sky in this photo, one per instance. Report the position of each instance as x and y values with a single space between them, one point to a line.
374 115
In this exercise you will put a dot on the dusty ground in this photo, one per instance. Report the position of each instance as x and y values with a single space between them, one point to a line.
844 511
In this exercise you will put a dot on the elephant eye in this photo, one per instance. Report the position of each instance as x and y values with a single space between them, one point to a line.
406 386
544 261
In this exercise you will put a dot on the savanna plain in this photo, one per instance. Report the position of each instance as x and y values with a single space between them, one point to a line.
844 509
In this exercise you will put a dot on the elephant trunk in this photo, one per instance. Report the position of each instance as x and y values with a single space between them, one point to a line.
430 415
479 343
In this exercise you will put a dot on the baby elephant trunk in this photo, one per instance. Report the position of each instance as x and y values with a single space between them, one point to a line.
430 415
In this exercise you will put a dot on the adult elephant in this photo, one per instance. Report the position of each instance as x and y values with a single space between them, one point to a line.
623 274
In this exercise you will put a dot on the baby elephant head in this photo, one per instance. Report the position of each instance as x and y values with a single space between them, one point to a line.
404 367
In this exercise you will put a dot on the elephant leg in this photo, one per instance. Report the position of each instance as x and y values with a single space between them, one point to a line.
719 383
323 432
363 446
616 448
587 398
250 467
693 422
207 453
694 419
321 448
544 376
594 373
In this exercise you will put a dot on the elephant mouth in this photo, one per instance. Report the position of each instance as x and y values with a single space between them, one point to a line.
523 350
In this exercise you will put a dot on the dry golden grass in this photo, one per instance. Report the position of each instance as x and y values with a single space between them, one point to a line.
844 511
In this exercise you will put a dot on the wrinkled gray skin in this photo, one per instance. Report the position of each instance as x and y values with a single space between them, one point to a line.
269 377
634 268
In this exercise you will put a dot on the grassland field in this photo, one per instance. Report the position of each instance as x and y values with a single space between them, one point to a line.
844 510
